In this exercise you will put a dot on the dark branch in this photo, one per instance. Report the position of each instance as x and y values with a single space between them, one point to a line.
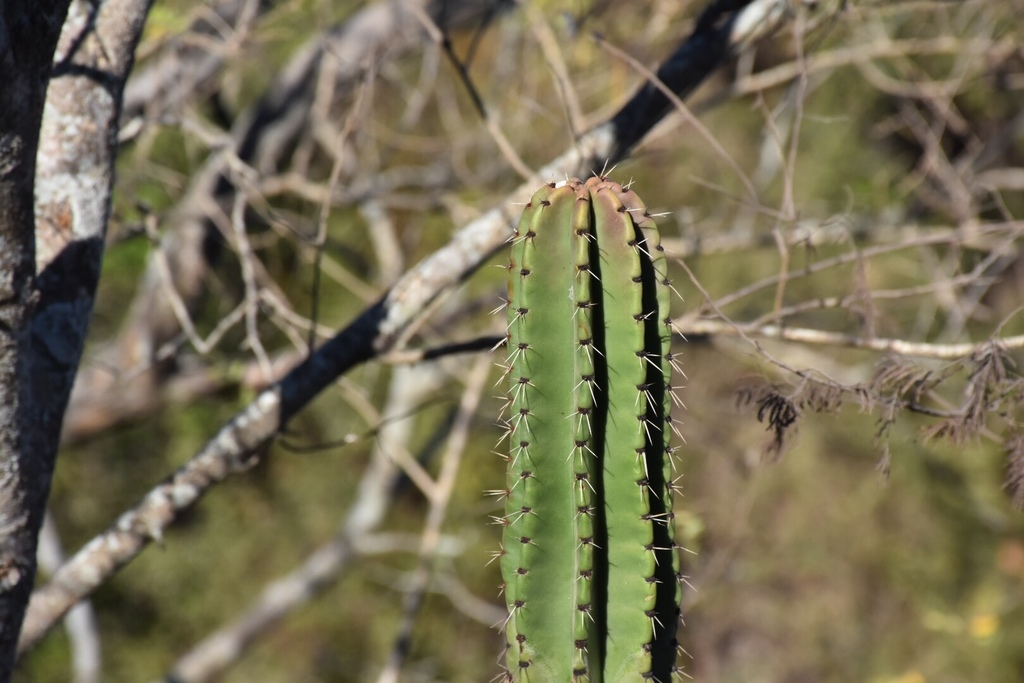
376 331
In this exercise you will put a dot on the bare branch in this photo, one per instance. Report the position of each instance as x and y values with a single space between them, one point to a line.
823 338
188 64
80 623
721 30
439 499
260 143
215 653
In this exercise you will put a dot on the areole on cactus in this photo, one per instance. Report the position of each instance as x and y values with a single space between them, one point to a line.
588 556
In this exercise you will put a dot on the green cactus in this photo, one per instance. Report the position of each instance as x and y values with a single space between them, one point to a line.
588 557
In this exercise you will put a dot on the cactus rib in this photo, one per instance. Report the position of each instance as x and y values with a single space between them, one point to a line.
588 557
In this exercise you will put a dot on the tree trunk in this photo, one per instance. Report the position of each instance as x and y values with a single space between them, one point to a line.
28 36
56 176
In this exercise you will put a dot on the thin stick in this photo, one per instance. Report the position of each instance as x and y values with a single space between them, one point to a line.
822 338
435 517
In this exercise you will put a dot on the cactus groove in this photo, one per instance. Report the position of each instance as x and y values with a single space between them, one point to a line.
588 557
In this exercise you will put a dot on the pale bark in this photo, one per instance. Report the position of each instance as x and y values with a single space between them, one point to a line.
50 255
80 624
28 36
131 375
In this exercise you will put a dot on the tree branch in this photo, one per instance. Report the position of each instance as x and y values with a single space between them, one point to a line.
131 372
28 37
379 328
805 335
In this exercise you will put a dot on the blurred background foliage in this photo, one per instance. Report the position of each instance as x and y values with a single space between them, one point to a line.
812 568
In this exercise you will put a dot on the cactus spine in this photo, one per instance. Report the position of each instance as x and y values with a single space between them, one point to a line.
588 556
